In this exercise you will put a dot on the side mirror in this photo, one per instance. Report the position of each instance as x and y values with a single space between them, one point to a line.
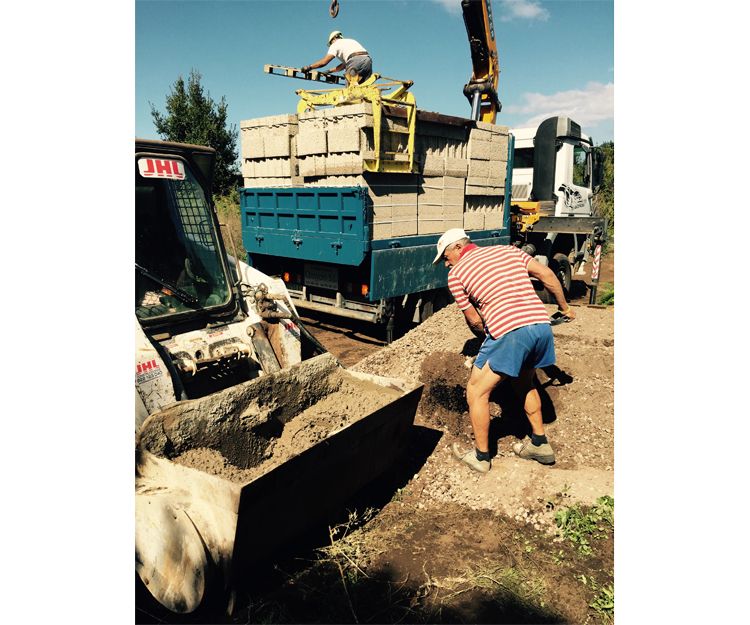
598 167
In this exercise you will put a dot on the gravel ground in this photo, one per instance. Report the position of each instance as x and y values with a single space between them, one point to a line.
578 400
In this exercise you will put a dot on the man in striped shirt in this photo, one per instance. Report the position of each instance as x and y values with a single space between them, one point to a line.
492 287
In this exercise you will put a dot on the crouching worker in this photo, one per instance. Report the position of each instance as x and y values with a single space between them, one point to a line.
492 287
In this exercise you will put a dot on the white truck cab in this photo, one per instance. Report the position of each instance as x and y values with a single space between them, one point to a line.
561 156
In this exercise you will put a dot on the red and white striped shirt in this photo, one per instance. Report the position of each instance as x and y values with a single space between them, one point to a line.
496 281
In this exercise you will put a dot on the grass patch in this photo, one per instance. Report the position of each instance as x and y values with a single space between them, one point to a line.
604 598
606 294
580 526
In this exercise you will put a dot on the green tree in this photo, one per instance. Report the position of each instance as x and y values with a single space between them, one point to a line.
193 117
604 200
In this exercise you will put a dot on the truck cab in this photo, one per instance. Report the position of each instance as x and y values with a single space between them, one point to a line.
556 171
554 163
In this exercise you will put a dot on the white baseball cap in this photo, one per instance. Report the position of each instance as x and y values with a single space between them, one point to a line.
448 237
333 35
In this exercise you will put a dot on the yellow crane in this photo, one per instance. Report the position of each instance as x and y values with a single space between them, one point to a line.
481 90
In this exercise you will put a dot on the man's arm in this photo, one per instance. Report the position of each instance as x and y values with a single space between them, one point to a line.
474 321
548 278
320 63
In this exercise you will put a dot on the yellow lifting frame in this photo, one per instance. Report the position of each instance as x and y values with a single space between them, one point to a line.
372 91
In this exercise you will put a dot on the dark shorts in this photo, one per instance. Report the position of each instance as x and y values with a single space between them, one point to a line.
529 347
361 65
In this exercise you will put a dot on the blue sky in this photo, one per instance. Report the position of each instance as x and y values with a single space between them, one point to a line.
555 57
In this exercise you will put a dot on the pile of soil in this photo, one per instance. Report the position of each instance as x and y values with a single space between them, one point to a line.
352 399
578 410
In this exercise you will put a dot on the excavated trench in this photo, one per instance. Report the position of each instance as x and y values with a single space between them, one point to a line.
245 431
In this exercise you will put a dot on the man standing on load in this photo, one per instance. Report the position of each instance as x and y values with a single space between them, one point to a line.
492 287
352 55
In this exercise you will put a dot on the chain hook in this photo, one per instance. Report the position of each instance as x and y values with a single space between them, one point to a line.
334 10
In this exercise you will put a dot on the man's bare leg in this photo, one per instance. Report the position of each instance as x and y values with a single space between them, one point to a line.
539 449
532 404
480 385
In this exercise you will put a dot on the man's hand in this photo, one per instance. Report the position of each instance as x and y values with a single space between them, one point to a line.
305 69
569 312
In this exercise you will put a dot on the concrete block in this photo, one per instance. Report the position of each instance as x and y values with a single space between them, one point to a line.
493 128
404 227
453 197
381 230
430 225
343 138
501 145
433 165
251 143
482 189
320 164
493 219
311 141
306 166
454 182
382 214
484 150
276 145
431 211
457 167
405 210
473 220
477 169
248 168
363 108
480 135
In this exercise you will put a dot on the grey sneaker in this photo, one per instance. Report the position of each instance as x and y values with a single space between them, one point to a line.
470 458
543 453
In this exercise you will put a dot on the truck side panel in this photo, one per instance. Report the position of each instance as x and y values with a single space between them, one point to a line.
318 224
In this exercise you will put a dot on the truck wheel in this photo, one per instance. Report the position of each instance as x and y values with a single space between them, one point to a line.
560 265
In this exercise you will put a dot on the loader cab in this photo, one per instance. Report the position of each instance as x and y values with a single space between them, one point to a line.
181 271
555 162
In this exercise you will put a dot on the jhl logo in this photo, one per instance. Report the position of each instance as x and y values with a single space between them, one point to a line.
145 371
161 168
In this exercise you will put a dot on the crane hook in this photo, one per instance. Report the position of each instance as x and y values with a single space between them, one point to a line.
334 10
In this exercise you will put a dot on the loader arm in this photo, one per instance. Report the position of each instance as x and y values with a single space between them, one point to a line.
481 90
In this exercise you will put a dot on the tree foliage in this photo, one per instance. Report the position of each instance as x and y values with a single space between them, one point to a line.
192 116
604 200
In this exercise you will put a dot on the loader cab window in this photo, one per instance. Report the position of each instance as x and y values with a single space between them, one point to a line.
177 256
581 166
523 157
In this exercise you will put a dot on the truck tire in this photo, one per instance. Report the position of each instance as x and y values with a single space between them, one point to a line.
560 265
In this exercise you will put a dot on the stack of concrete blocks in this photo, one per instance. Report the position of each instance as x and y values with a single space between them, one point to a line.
332 145
485 183
461 168
269 151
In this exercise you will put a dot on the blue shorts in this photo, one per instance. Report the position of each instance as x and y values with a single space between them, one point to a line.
529 347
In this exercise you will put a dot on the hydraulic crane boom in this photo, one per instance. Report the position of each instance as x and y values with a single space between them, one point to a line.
481 90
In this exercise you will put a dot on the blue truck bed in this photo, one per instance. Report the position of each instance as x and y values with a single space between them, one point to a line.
328 227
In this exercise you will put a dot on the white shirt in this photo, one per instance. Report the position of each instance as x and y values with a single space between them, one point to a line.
342 49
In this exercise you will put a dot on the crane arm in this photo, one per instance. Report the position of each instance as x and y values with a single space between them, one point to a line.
481 90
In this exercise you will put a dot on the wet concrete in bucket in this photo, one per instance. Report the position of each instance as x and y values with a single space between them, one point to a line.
353 399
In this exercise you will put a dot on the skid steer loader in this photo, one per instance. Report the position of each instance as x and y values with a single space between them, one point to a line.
247 431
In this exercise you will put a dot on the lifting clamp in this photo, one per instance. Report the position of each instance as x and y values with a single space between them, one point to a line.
381 92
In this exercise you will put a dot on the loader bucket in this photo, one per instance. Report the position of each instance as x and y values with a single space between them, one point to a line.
224 481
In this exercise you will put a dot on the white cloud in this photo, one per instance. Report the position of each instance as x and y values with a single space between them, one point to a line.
452 6
523 10
588 106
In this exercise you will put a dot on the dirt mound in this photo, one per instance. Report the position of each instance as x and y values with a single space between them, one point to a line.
443 404
577 397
